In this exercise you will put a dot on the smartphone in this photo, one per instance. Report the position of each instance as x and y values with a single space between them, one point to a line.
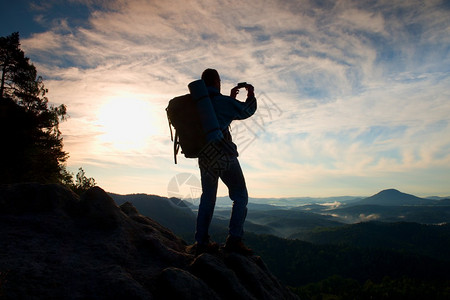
242 84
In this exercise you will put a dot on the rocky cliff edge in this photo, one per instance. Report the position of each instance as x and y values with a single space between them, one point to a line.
57 245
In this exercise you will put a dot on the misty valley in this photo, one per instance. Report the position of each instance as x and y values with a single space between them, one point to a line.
390 243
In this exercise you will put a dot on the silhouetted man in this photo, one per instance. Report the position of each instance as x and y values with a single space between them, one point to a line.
224 166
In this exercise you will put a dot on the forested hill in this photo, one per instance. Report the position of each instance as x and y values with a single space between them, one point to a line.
393 197
406 260
421 239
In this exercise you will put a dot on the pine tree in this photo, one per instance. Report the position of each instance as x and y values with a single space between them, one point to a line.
32 145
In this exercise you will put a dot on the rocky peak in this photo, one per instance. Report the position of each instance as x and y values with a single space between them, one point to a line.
55 244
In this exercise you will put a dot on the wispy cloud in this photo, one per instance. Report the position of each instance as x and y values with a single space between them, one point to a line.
362 86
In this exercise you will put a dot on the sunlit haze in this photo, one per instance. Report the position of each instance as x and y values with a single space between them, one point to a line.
353 95
127 124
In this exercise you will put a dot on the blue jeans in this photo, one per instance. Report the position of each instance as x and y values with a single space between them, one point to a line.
233 178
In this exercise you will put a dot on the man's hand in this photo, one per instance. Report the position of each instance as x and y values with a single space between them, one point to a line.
234 92
250 90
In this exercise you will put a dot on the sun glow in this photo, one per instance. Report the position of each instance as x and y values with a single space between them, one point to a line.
127 123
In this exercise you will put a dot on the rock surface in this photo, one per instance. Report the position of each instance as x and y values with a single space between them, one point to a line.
56 245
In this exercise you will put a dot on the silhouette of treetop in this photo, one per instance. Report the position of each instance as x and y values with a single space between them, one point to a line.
32 148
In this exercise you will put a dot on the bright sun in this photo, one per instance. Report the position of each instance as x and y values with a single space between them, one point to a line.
127 124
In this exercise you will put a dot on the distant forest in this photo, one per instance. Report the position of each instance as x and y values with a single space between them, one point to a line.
332 260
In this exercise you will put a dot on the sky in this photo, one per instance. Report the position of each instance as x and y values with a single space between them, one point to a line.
353 96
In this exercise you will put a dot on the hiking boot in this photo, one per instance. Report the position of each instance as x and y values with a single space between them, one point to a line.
197 249
236 245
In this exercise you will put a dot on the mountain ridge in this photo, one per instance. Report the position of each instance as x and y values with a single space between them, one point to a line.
393 197
224 201
291 221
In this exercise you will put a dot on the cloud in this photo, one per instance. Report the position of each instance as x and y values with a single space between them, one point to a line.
371 217
360 87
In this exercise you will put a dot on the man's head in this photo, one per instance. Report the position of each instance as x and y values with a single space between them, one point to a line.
211 78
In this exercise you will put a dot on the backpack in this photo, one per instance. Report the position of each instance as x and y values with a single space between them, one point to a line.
197 130
183 115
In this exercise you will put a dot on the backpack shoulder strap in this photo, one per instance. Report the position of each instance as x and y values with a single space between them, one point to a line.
170 124
174 138
176 147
